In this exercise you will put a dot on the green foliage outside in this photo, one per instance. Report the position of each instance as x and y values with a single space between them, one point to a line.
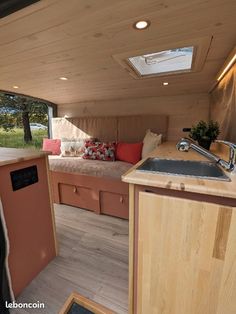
15 138
16 114
11 121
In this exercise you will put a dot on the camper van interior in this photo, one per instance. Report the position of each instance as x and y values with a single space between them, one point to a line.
128 203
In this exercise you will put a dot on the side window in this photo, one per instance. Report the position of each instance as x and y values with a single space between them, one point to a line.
24 121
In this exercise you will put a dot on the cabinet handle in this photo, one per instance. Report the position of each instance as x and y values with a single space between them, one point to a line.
121 199
75 189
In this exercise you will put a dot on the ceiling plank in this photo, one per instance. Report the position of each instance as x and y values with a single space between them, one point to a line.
51 39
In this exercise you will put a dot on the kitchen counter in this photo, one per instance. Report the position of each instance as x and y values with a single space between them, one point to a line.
15 155
182 183
181 239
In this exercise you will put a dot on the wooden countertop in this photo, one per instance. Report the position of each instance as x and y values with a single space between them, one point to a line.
14 155
181 183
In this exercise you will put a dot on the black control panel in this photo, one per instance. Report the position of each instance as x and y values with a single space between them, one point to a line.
24 177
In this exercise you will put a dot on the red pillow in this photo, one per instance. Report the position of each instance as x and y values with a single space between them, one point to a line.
129 152
51 145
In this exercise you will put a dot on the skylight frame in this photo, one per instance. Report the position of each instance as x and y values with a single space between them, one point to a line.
201 48
167 73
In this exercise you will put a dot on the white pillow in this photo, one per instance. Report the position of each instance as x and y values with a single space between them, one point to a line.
72 147
150 142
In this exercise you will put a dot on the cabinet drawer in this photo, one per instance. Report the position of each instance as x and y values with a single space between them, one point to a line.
114 204
79 196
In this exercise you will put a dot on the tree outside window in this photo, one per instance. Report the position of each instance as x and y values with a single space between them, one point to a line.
23 121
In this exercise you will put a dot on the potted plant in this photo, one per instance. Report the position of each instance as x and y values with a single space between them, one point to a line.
205 133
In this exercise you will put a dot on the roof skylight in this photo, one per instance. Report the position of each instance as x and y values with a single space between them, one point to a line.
167 61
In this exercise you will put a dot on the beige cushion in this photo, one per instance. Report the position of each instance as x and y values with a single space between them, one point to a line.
150 142
102 128
131 129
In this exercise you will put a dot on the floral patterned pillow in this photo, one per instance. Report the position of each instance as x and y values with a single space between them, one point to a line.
99 151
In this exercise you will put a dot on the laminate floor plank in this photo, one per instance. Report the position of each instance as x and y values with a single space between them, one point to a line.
92 260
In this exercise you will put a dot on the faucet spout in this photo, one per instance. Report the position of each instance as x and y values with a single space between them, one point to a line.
186 143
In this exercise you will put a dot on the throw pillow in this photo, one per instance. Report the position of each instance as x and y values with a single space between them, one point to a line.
150 142
129 152
72 147
99 151
52 145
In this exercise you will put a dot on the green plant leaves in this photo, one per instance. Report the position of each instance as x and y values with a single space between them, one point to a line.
204 130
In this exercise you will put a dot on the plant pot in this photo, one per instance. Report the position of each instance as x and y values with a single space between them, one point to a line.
205 143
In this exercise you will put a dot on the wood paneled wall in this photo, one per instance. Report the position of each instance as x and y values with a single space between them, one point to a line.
183 110
223 105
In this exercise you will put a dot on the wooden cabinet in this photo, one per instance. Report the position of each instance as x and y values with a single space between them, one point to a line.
104 202
99 194
185 256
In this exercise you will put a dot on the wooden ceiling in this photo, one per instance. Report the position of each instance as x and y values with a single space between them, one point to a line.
78 39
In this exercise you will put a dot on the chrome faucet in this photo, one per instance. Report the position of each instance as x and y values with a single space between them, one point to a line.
230 164
186 143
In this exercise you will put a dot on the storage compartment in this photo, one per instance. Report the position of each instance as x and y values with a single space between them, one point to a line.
98 194
114 204
79 196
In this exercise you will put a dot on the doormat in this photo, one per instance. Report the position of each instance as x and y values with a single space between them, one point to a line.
77 304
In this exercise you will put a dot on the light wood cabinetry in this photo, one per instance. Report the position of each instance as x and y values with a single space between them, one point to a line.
186 256
182 240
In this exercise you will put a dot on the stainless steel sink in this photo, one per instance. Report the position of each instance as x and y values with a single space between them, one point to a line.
189 168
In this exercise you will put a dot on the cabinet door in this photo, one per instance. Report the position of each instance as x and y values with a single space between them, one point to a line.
186 257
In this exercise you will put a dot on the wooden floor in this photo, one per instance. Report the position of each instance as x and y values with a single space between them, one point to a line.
93 260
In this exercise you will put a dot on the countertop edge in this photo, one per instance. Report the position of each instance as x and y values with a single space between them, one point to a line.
20 155
180 183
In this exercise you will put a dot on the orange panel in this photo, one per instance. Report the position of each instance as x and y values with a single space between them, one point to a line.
29 222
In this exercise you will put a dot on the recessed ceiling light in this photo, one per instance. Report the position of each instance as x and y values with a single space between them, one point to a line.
165 83
15 86
141 25
63 78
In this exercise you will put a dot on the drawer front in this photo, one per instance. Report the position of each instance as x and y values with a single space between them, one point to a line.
79 196
114 204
